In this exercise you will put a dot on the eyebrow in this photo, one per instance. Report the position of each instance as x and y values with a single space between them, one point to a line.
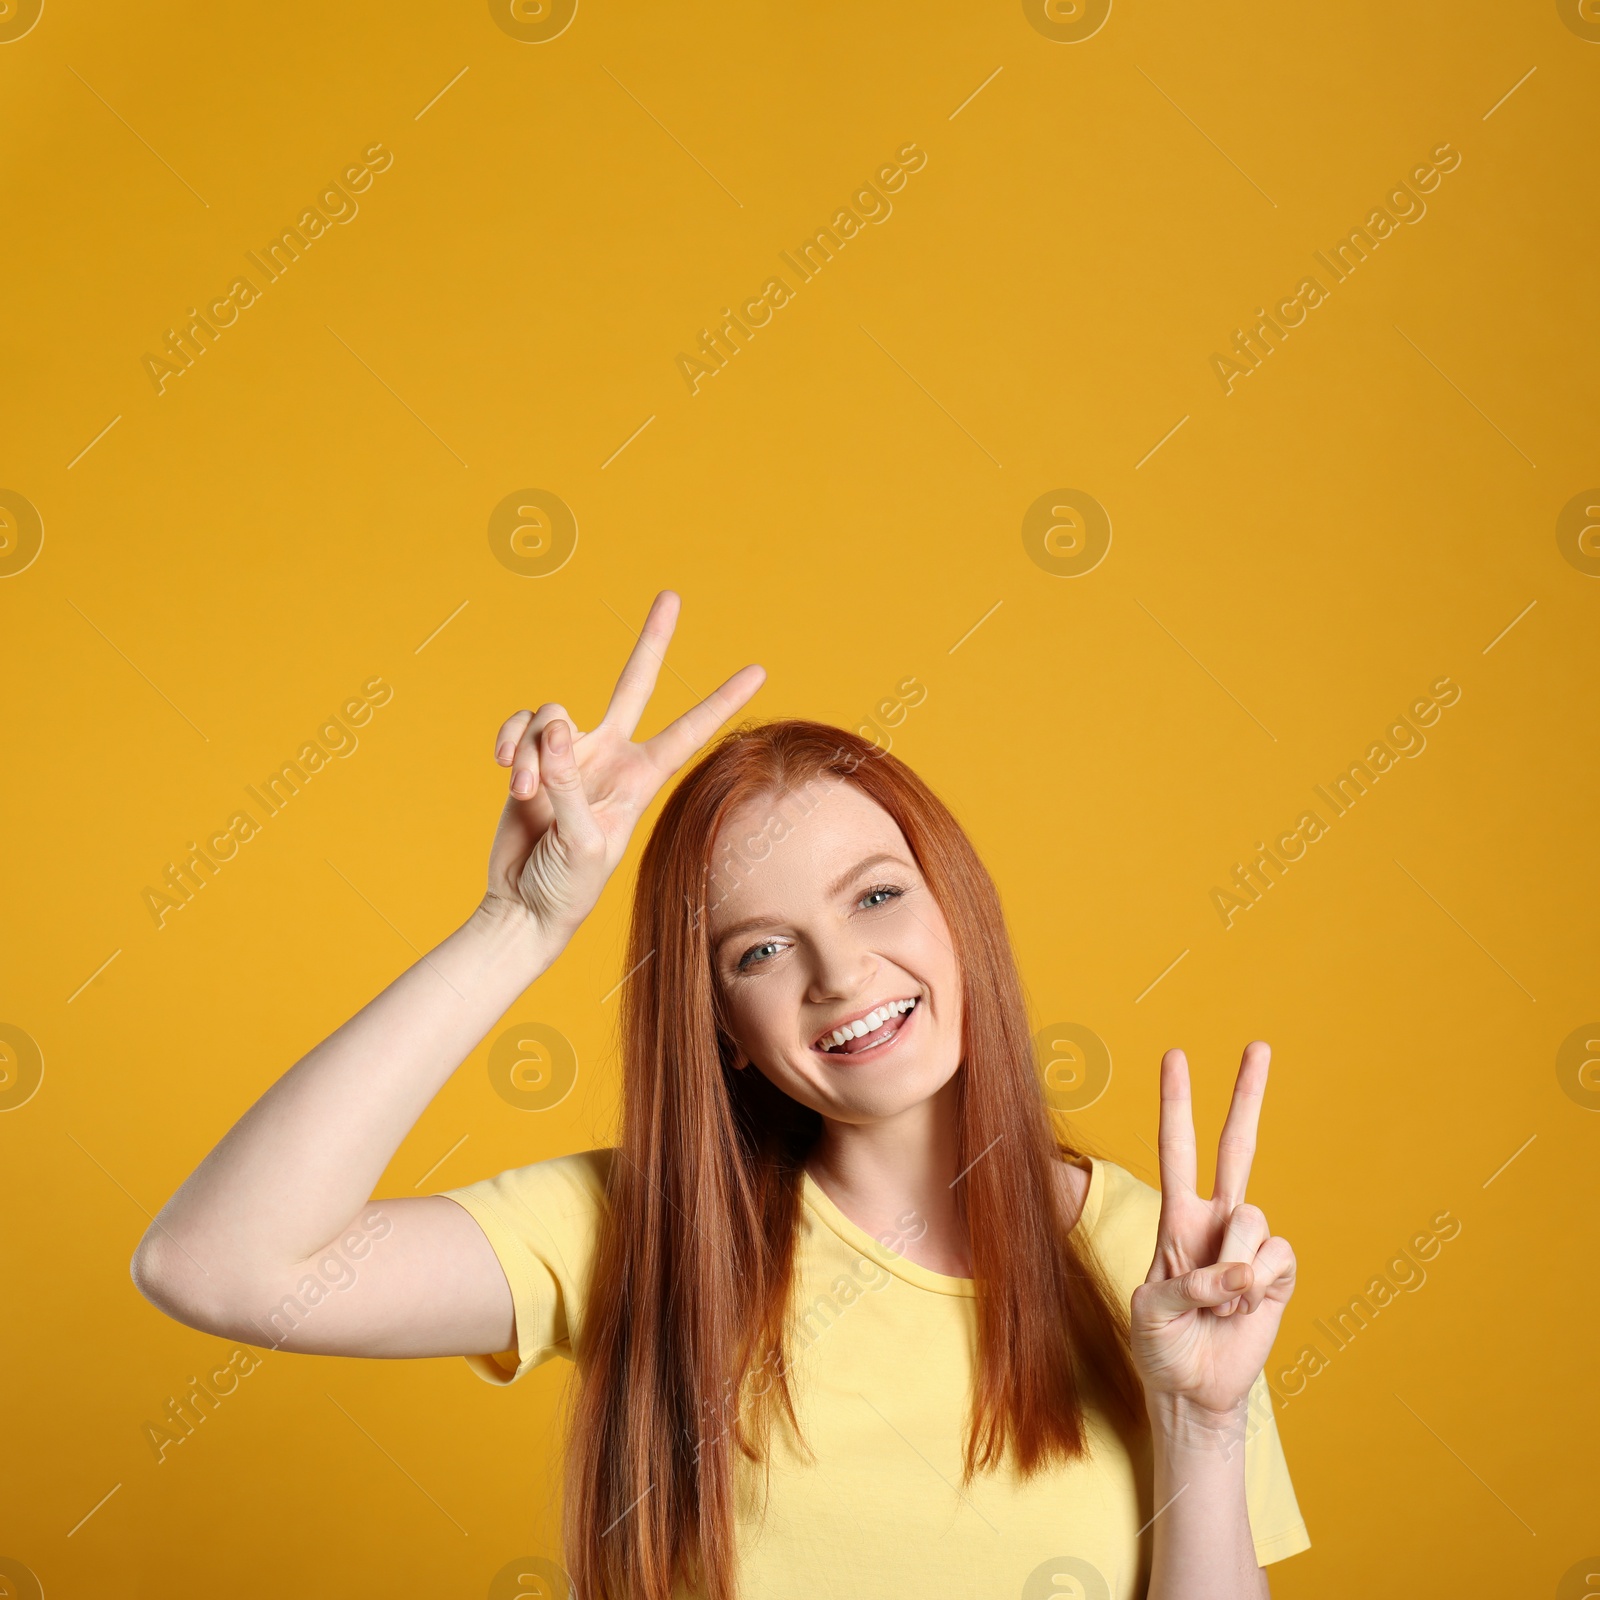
836 887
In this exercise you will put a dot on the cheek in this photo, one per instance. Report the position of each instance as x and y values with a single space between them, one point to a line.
931 947
762 1018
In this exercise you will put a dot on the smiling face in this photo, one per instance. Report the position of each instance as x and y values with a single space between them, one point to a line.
836 926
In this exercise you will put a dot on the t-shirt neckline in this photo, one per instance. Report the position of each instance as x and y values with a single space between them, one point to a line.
914 1272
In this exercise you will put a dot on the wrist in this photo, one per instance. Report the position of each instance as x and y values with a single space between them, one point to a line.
512 931
1179 1423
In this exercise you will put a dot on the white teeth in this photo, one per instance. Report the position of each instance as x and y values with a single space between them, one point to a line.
868 1024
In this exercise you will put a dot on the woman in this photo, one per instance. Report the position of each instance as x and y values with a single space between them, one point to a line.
848 1318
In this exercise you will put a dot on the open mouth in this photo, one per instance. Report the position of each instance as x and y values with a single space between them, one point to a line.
875 1031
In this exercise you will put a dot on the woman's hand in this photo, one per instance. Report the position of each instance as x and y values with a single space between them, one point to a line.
575 797
1206 1316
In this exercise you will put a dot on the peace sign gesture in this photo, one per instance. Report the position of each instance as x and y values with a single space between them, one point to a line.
575 797
1205 1317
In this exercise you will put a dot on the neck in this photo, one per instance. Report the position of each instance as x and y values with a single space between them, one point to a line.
898 1179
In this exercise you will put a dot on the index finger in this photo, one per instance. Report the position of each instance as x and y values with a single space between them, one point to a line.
1237 1146
637 680
680 739
1176 1136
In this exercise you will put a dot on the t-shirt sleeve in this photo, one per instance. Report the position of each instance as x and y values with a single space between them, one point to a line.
1276 1525
542 1221
1124 1235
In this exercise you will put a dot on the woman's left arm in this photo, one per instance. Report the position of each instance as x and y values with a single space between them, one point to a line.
1203 1322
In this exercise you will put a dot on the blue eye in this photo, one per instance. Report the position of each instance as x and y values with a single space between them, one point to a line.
750 957
745 962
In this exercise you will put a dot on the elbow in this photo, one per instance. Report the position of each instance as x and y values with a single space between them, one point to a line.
169 1275
171 1280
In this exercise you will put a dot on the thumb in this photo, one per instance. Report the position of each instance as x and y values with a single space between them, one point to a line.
563 787
1196 1289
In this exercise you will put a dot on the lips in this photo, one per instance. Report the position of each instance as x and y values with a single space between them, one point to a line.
879 1039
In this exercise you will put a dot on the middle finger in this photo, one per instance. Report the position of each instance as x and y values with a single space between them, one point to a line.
1237 1146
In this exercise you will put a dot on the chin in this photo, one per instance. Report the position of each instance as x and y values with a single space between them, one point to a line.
872 1094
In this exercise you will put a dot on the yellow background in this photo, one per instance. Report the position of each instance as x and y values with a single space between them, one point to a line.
306 506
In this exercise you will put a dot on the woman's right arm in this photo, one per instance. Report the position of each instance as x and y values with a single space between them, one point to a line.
295 1176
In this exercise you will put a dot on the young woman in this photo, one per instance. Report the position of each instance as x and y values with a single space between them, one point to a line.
849 1318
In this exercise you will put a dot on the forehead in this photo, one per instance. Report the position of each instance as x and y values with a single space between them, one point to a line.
793 846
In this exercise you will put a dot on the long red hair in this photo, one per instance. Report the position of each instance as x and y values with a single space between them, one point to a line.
692 1275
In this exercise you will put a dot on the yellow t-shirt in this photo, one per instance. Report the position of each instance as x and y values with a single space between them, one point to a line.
882 1369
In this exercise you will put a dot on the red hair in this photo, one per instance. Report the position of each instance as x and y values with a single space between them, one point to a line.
692 1275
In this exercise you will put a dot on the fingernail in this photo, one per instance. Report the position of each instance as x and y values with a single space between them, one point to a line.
504 754
558 735
522 783
1235 1277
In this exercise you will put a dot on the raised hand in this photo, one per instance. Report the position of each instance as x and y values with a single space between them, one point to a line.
575 797
1204 1319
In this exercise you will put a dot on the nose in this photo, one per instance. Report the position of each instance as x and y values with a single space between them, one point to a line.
842 968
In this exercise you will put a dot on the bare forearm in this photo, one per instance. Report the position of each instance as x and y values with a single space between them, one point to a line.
304 1159
1203 1549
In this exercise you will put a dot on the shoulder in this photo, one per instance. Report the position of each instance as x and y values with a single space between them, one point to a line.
1122 1226
560 1195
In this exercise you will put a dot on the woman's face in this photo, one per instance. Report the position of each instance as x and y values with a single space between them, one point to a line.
833 925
